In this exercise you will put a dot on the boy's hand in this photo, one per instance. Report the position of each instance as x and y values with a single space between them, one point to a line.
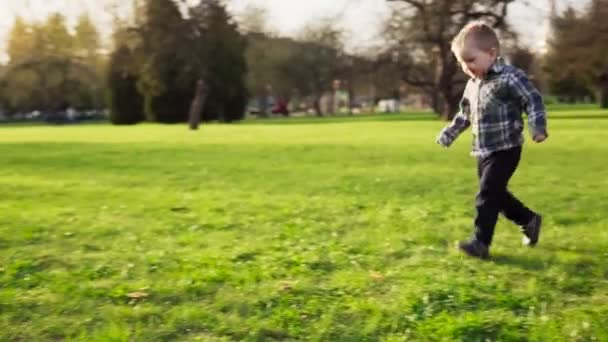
539 137
442 140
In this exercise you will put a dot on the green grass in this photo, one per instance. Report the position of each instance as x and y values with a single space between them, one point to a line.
325 232
572 107
341 118
558 111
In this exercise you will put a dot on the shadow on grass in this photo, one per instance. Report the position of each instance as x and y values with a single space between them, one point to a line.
519 261
594 252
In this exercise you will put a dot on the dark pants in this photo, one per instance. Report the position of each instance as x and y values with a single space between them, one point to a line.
494 172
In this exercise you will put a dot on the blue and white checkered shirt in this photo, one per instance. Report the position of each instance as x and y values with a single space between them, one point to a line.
493 108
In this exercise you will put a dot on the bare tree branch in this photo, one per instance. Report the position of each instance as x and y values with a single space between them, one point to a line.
423 29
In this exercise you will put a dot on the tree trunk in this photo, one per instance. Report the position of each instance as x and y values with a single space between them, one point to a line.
603 85
604 95
437 102
450 105
196 108
351 97
317 106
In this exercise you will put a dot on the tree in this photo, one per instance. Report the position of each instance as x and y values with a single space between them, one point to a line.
254 19
169 55
576 62
316 61
53 38
86 40
44 73
16 89
267 57
164 81
422 31
596 51
263 55
126 103
196 108
87 49
48 83
220 59
20 45
124 98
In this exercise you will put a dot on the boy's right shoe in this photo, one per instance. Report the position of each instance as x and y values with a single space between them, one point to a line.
531 231
475 249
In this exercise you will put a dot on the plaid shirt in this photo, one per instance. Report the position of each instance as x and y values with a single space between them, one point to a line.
493 107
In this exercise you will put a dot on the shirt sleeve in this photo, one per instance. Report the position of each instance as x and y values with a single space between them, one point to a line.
531 101
460 123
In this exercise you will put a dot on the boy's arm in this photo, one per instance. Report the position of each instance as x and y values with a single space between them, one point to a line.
461 122
532 102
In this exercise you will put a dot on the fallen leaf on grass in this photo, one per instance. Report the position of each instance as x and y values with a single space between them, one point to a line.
287 285
376 275
137 295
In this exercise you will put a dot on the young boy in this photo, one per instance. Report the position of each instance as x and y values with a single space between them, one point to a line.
492 103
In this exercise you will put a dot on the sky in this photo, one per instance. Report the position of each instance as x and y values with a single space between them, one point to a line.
361 18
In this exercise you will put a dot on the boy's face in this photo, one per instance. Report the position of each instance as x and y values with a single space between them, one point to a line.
474 61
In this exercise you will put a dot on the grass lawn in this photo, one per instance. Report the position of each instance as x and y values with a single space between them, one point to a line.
326 230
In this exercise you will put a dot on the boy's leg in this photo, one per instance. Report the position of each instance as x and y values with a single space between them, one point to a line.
516 211
495 171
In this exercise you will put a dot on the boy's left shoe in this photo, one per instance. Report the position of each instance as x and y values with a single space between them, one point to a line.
475 249
531 231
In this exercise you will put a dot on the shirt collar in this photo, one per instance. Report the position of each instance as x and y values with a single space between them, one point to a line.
497 67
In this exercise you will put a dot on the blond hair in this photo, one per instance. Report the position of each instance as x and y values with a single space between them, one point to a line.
483 35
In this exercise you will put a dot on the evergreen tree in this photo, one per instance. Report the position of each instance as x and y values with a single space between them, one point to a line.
165 81
126 103
20 42
222 61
